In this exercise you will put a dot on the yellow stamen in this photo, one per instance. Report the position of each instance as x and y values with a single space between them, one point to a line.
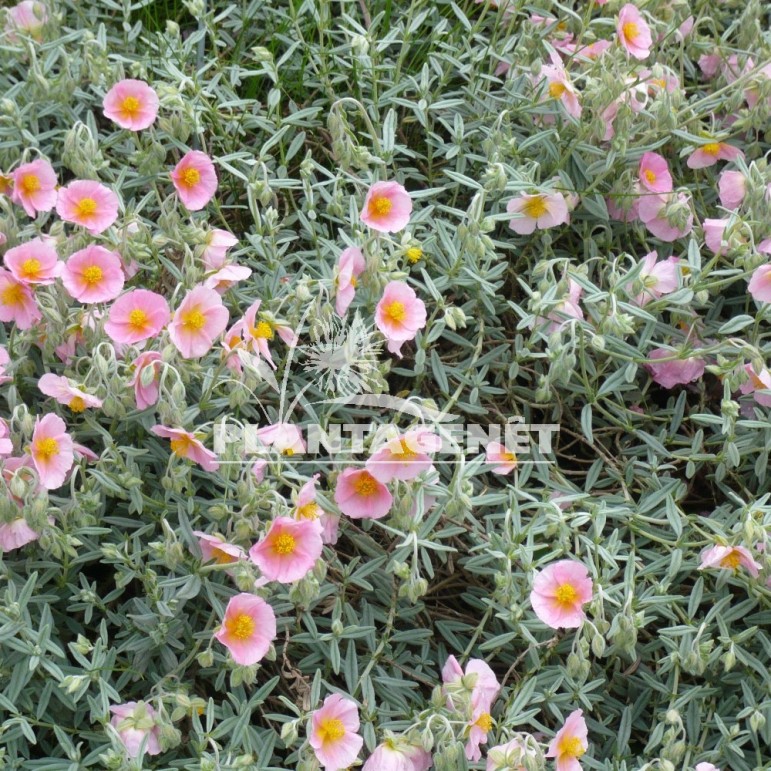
30 183
395 311
331 730
77 404
45 449
711 148
240 626
222 557
570 747
284 544
649 175
12 295
309 511
406 452
191 177
181 446
365 485
414 253
193 320
92 275
130 106
30 269
535 207
557 89
731 560
630 30
86 207
263 330
484 722
380 206
566 594
138 320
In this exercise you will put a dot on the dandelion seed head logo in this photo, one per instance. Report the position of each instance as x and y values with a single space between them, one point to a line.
344 358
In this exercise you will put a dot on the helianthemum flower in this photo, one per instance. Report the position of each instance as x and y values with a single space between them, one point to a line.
502 460
34 262
17 302
570 743
654 173
136 725
61 389
404 457
387 207
559 593
216 549
360 496
89 204
730 558
200 318
136 316
289 550
15 534
673 371
332 733
757 381
248 628
185 444
51 451
306 507
216 246
27 17
349 267
396 754
399 315
93 275
541 211
147 368
132 104
712 152
195 179
658 278
634 34
34 187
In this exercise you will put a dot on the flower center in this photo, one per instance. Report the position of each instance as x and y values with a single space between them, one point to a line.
46 448
222 557
30 269
484 722
535 207
571 747
138 320
30 183
193 320
308 511
77 404
365 485
414 253
557 89
191 177
240 626
130 106
711 148
396 311
406 452
85 207
331 730
630 30
380 206
284 544
566 594
731 560
649 175
263 330
508 457
181 446
92 275
12 295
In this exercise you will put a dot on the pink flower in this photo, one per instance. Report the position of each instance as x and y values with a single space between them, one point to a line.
387 207
478 677
732 187
398 755
479 726
759 286
258 333
676 372
730 558
289 550
51 451
195 179
146 378
17 302
404 457
502 461
28 17
349 267
35 262
248 629
34 187
559 593
60 388
360 496
634 34
503 757
570 743
216 549
227 277
714 230
757 382
285 438
712 152
332 733
200 318
89 204
93 275
654 173
132 104
567 308
216 247
658 278
136 316
136 724
560 88
666 215
307 508
709 64
539 211
187 445
399 315
15 534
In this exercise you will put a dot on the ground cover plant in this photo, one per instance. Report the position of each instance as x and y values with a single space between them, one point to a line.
385 384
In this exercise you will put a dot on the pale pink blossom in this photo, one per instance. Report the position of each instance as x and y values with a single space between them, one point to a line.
760 284
89 204
332 733
732 187
502 460
306 507
633 32
137 726
132 104
570 743
709 64
187 445
758 381
15 534
62 389
350 266
227 277
667 216
560 88
404 457
218 550
93 275
34 262
360 496
34 187
289 549
399 315
387 207
730 558
477 676
398 755
248 628
195 179
258 470
137 316
654 173
199 320
712 152
479 726
146 379
17 302
28 17
658 278
51 451
257 333
216 246
539 211
675 372
567 308
559 593
285 438
714 232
